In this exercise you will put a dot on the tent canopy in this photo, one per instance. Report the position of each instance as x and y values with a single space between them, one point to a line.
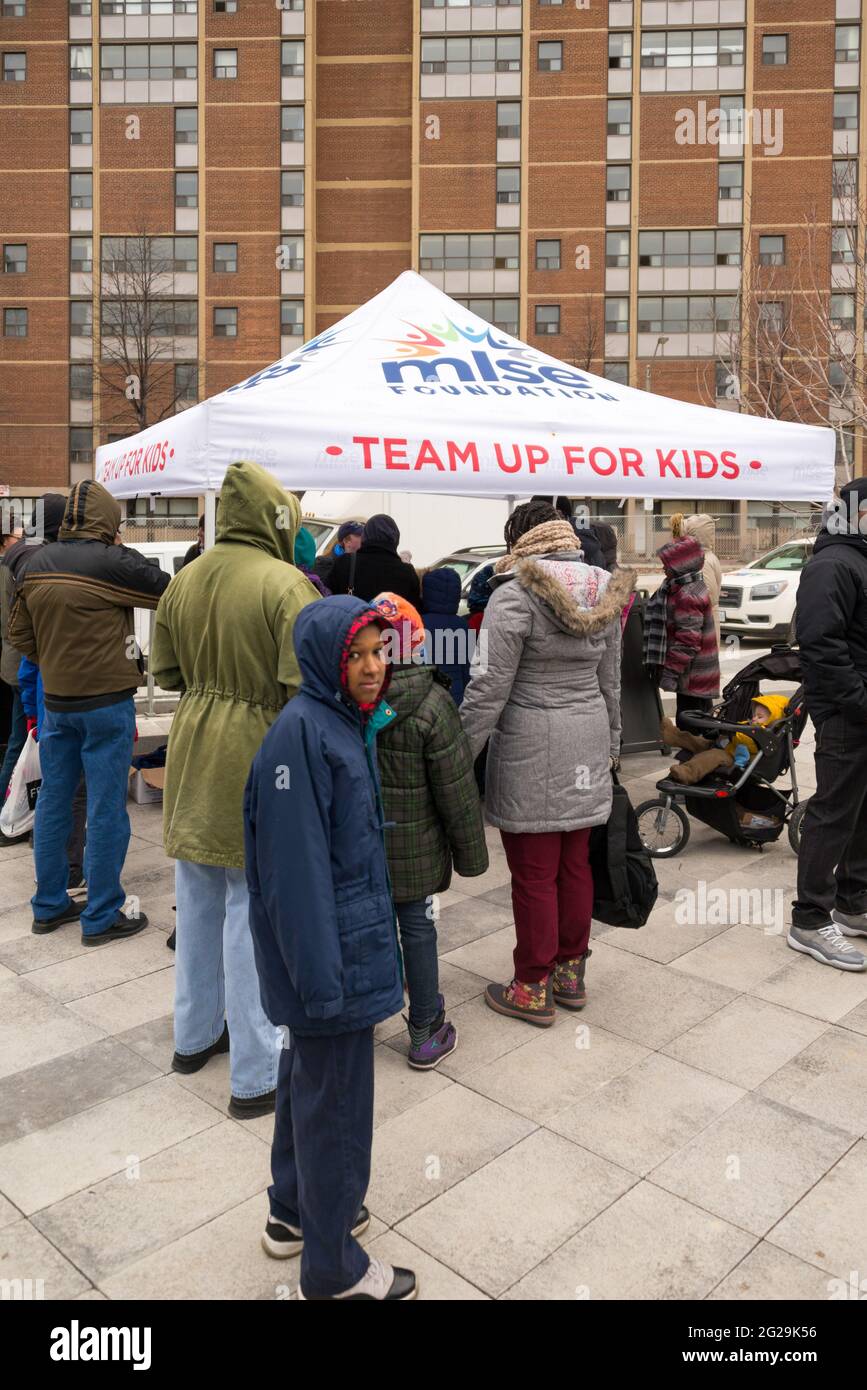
412 391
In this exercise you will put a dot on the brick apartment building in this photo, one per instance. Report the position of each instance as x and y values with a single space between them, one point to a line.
291 158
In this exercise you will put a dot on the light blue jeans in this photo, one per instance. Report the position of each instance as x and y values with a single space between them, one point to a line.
216 979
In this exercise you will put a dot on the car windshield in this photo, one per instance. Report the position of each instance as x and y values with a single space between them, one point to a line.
788 557
319 530
461 564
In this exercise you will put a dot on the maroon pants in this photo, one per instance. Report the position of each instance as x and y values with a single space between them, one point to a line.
552 896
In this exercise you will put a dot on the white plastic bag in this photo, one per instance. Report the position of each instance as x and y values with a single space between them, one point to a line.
19 808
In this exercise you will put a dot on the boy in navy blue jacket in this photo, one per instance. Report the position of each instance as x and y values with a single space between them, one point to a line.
325 939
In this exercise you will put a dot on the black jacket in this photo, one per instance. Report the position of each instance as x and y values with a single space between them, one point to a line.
831 626
377 570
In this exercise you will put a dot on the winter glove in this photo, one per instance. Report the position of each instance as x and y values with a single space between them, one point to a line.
741 755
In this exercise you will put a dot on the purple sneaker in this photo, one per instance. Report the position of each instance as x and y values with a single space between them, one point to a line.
443 1039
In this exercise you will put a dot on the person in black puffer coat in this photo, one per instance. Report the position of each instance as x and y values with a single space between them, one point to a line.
376 567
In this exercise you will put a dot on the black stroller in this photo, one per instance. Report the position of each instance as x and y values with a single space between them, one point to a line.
719 799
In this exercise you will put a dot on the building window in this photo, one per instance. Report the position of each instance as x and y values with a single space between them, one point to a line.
473 251
730 180
620 50
502 313
172 318
186 125
226 6
292 189
14 323
772 250
13 9
292 123
617 316
847 43
619 117
291 59
547 255
617 183
723 382
15 258
186 381
845 110
705 313
81 126
508 120
692 48
508 185
225 257
775 50
186 190
550 57
292 318
695 249
617 250
225 62
81 382
80 7
156 62
81 318
618 372
842 311
550 2
80 446
292 253
14 67
838 378
81 190
844 178
476 55
771 316
81 63
843 245
547 318
149 258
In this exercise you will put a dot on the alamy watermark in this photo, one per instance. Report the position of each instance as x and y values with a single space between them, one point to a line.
762 126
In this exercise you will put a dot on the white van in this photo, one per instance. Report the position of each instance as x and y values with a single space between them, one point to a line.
168 556
431 524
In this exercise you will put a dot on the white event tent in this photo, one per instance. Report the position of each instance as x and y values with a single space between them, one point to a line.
413 391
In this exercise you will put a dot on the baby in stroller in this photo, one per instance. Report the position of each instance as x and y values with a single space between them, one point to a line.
723 753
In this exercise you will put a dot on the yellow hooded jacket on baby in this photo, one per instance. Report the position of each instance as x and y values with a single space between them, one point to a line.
777 705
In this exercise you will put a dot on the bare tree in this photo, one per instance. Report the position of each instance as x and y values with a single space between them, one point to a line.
585 346
141 318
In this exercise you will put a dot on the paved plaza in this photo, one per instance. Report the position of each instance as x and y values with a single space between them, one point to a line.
698 1132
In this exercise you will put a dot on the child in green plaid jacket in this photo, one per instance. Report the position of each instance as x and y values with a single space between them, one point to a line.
431 799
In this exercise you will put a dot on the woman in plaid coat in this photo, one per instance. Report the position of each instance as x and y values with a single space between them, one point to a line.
434 821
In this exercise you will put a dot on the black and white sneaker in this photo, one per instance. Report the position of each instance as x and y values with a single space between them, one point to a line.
77 888
381 1283
282 1241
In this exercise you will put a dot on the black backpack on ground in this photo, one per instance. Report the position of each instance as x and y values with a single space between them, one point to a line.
624 879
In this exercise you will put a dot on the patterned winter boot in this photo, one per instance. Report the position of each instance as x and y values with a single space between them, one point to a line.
568 980
533 1003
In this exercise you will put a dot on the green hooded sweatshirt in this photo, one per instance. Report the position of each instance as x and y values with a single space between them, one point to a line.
223 635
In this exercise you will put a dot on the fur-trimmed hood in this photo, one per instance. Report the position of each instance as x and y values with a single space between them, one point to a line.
606 595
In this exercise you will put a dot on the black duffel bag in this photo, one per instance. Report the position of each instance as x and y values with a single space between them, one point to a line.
624 879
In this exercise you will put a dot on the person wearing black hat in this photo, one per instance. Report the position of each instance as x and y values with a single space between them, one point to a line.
591 550
198 547
831 626
377 568
346 542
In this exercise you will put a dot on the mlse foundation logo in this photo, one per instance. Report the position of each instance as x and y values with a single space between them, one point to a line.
712 126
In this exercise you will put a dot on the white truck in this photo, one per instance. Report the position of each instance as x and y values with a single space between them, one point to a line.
431 524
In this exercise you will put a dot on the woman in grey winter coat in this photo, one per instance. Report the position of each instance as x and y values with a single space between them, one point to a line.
545 688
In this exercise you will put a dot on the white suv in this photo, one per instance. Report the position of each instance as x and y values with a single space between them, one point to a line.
759 600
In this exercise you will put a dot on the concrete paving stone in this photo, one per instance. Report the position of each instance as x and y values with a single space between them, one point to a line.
644 1001
42 1095
91 1296
497 1224
15 924
640 1118
25 1254
497 874
662 938
828 1227
739 957
116 1009
814 989
457 986
856 1019
746 1042
98 1142
7 974
8 1212
397 1087
117 1222
389 1028
753 1163
482 1037
647 1245
501 896
34 1027
489 956
18 882
26 953
554 1068
826 1080
212 1084
17 851
424 1151
154 1041
770 1275
102 967
469 921
436 1282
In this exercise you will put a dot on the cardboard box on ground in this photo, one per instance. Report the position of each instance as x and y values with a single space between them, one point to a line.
146 784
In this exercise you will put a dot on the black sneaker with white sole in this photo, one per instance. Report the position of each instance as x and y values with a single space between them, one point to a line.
282 1241
381 1283
120 929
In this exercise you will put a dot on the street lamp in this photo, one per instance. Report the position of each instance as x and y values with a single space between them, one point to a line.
660 343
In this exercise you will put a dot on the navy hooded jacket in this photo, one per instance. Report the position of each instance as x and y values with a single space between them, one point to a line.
448 646
321 914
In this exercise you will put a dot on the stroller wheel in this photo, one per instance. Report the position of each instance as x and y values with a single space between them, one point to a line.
796 820
663 828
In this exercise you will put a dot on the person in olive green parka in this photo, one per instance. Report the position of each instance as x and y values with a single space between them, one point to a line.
224 638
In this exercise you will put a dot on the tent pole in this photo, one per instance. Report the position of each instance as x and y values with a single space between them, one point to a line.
150 682
210 518
511 499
